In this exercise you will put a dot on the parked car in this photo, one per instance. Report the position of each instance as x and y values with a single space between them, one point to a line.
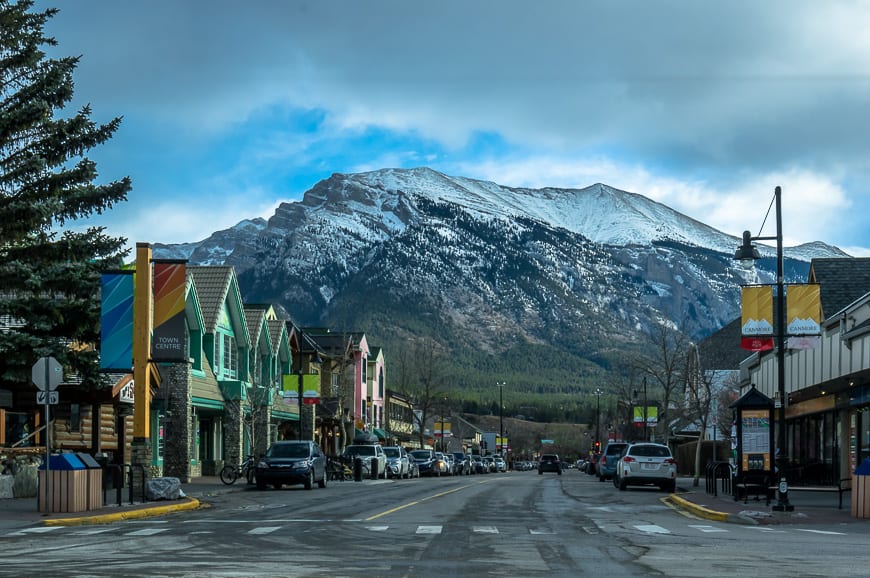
427 463
372 455
609 457
450 461
464 463
500 464
489 464
398 462
291 462
644 464
413 470
477 465
442 466
549 463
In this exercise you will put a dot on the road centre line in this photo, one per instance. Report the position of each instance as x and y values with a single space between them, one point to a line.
414 503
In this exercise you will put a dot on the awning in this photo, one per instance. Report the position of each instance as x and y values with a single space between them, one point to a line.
380 433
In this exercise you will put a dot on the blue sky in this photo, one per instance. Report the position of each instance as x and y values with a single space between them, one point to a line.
231 108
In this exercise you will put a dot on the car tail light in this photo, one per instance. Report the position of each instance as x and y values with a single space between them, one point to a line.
628 459
671 461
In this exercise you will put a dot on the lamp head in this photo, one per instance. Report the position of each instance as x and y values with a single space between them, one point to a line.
746 253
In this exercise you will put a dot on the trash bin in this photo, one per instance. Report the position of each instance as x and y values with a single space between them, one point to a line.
94 481
861 491
67 485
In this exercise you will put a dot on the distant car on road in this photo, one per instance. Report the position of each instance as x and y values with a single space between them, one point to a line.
549 463
291 462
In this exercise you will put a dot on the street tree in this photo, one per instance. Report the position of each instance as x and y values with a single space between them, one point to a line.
665 366
49 268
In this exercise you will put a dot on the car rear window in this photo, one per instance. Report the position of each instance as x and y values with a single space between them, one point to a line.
360 450
650 452
614 449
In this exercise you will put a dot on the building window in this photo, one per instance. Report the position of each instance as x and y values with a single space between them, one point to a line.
75 417
231 356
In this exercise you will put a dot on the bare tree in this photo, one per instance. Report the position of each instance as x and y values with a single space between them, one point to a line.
429 389
665 367
699 401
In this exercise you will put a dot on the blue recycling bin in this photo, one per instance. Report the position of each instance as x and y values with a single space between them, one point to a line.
67 489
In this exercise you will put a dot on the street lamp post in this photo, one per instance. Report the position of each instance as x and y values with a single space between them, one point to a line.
500 385
598 391
747 254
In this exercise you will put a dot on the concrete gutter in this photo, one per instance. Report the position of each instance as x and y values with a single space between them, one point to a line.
707 513
146 512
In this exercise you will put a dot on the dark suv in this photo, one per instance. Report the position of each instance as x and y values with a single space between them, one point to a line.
607 462
549 463
292 462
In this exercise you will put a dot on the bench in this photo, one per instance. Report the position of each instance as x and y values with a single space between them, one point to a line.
844 485
753 485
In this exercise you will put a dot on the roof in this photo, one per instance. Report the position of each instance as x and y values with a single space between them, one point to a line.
721 350
216 285
212 284
255 317
841 281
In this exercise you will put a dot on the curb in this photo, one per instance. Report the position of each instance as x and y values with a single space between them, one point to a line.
188 504
707 513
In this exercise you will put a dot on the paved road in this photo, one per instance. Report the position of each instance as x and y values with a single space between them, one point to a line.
515 524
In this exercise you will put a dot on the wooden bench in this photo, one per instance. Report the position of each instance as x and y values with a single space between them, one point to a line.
844 485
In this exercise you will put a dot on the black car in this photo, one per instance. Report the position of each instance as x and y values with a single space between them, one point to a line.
549 463
292 462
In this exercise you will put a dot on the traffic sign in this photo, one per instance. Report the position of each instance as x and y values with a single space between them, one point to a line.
47 373
47 397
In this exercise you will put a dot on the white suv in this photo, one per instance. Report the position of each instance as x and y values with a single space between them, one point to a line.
646 464
372 455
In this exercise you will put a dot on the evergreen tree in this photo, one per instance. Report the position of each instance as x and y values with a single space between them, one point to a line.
49 273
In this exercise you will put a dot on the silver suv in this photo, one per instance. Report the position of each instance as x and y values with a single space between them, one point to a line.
646 464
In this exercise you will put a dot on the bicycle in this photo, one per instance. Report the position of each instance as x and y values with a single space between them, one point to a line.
338 470
229 474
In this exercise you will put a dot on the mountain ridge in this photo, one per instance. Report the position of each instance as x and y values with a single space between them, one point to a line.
501 278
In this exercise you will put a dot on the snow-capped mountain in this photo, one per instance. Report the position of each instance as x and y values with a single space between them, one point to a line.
576 275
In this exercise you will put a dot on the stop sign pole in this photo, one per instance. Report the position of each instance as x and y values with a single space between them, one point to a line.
47 374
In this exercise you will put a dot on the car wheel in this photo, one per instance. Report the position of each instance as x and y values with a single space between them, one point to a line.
670 486
277 486
615 481
309 481
622 485
600 478
261 485
540 472
322 482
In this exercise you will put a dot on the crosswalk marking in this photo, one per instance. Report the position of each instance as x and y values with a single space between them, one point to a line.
652 529
264 530
146 532
707 529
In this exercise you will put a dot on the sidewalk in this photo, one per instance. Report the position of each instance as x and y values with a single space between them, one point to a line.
809 507
19 512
